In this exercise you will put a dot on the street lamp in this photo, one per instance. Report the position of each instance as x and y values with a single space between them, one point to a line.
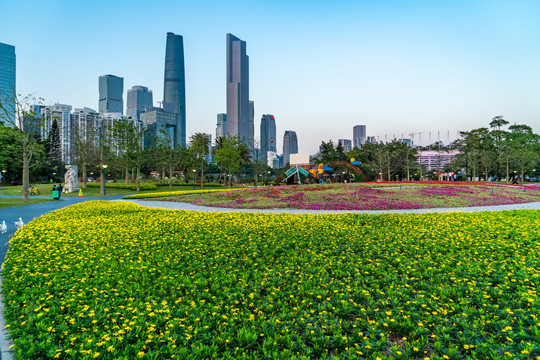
3 178
194 171
105 179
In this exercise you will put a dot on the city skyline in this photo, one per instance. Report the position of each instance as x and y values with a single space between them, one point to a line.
398 67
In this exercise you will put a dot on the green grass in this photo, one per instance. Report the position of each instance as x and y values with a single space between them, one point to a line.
11 202
46 190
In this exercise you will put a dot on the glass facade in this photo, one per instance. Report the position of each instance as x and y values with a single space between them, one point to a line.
7 83
237 88
111 90
268 135
139 100
174 88
290 145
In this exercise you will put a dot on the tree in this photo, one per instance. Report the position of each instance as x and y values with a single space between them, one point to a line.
228 155
53 149
26 124
85 137
496 123
122 133
524 147
103 150
199 145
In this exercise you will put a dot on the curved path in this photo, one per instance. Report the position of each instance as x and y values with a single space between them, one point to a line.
187 206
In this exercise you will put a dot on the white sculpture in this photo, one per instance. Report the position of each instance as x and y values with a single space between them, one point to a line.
19 224
3 227
71 179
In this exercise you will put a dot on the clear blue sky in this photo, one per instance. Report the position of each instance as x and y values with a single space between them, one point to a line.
320 67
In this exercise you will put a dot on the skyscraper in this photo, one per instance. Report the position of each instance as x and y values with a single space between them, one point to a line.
268 135
7 83
290 145
251 123
139 99
359 135
221 125
346 144
174 89
237 88
111 90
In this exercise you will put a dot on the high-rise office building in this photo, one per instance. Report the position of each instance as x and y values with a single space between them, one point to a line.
346 144
139 100
268 135
111 90
290 145
62 114
7 83
209 158
237 88
160 125
359 135
221 125
174 88
251 123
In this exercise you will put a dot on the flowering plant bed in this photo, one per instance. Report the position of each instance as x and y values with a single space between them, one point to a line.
373 196
121 281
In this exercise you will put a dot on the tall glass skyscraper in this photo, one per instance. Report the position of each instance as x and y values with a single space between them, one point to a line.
7 83
139 100
237 88
174 88
268 135
290 145
359 135
111 91
221 125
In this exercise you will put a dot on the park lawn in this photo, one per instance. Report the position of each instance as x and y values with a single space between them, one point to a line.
121 281
11 202
46 190
364 197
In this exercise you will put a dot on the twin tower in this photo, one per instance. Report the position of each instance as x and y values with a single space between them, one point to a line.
174 92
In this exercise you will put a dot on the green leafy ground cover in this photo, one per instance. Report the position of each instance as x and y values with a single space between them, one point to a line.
365 196
120 281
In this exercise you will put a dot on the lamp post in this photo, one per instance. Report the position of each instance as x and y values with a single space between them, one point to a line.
3 178
104 179
194 171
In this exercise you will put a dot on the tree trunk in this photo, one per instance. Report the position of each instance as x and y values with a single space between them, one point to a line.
138 180
507 170
102 181
26 172
127 173
84 179
202 175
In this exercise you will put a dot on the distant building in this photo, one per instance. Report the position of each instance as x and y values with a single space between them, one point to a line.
210 157
433 160
139 100
371 140
359 135
290 145
7 83
221 125
346 144
274 160
268 135
237 89
174 88
111 90
407 141
160 124
62 114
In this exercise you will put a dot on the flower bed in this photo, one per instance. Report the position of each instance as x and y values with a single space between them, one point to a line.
120 281
173 193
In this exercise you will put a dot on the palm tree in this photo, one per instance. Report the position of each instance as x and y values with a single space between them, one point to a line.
199 146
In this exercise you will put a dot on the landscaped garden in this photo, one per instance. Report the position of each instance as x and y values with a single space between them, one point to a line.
364 196
121 281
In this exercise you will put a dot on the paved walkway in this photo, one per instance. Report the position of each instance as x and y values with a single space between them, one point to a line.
186 206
